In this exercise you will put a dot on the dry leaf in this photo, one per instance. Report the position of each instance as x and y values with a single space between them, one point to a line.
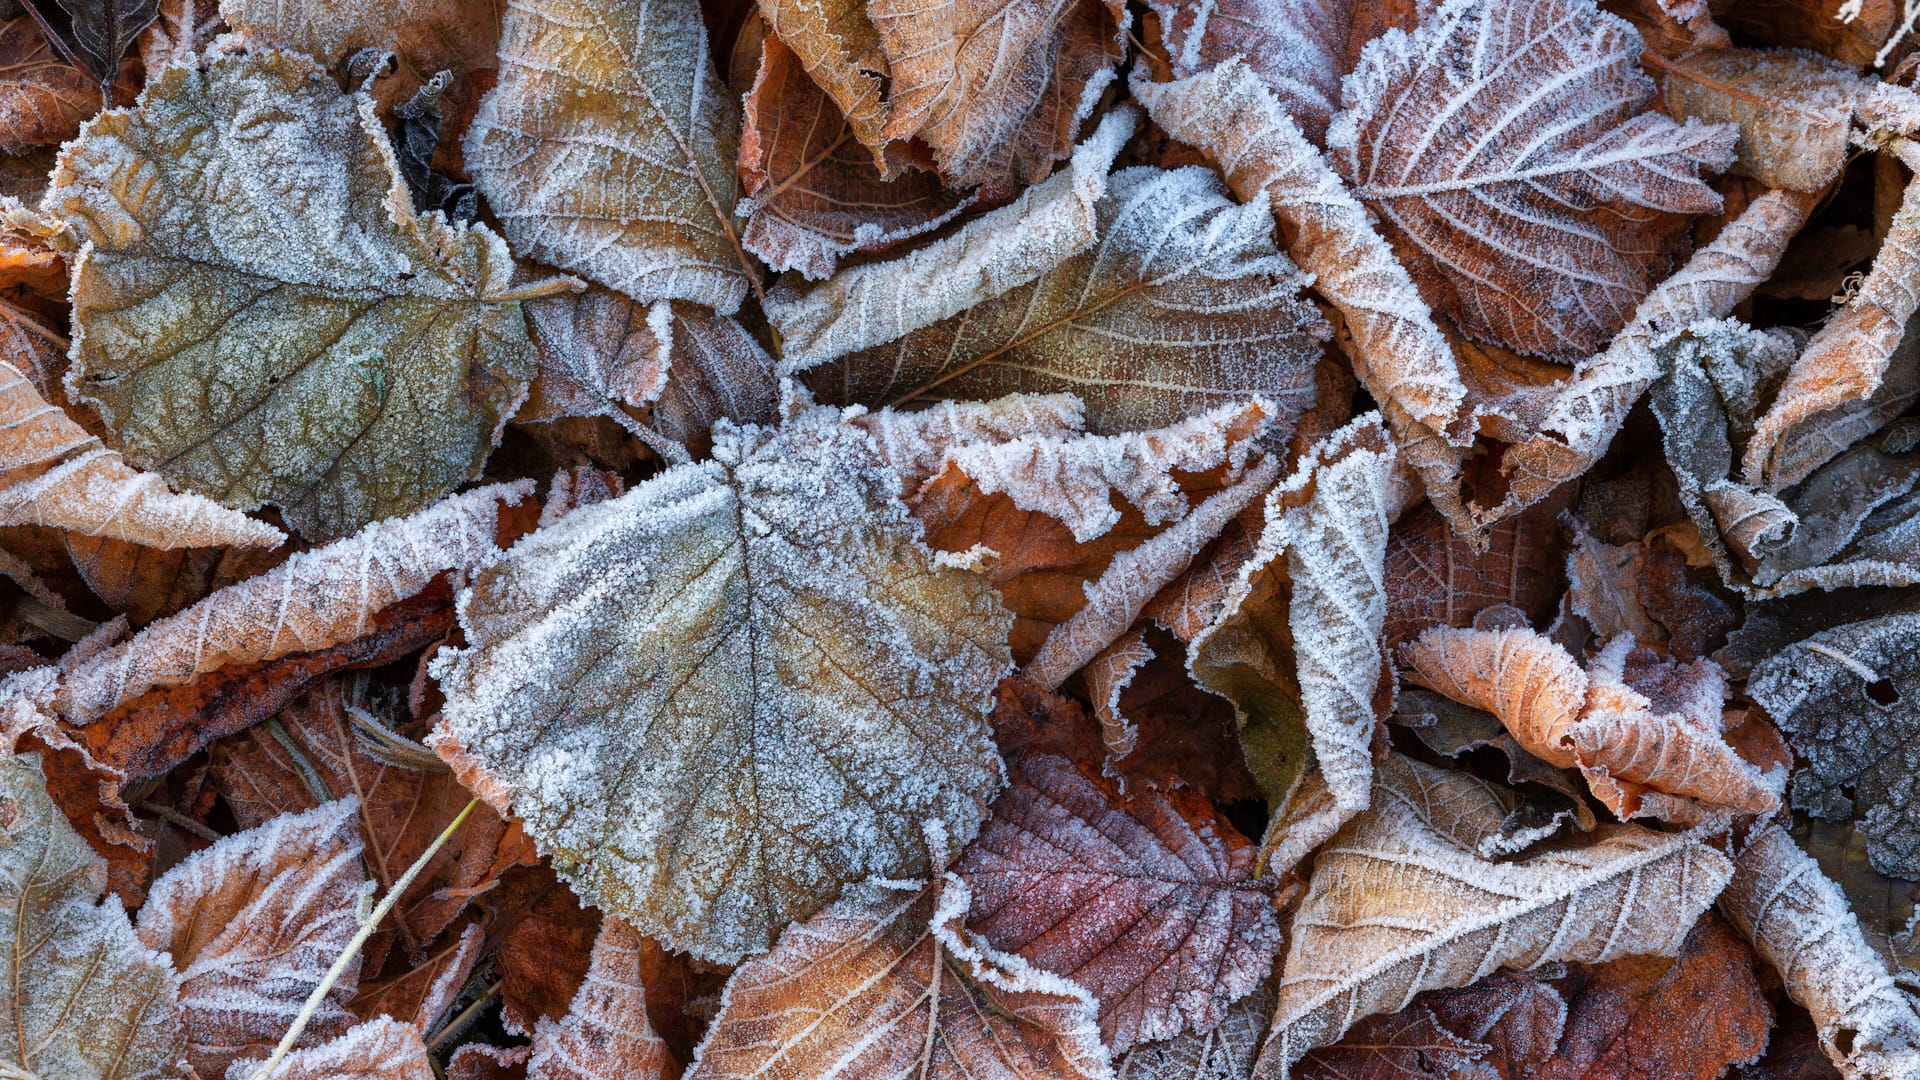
838 47
1406 1045
1798 921
81 996
296 297
886 982
252 924
1225 1052
42 100
755 622
1543 242
383 1049
544 937
1297 48
1364 943
608 148
606 1035
1434 577
1792 109
1148 901
424 36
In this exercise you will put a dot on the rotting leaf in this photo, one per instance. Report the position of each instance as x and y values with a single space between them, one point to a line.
722 661
95 33
344 359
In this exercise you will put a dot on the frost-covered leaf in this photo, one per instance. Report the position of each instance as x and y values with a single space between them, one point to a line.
1366 938
599 351
886 982
996 88
382 1049
252 923
80 996
1798 922
1147 900
1182 303
1297 646
608 145
720 697
1224 1052
42 100
1297 48
97 33
310 343
839 48
315 599
876 302
58 476
1542 235
424 36
1108 677
1406 1045
606 1035
545 938
1792 109
1849 701
718 372
1435 577
814 193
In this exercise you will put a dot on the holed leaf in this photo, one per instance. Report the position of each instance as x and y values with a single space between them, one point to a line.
717 699
309 342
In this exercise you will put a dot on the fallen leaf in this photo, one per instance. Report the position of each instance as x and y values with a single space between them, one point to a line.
1225 1052
96 33
42 100
766 606
424 36
1792 108
606 1034
1297 48
1363 944
1798 922
252 924
382 1049
839 49
1435 577
544 939
1406 1045
82 995
1149 901
608 146
887 982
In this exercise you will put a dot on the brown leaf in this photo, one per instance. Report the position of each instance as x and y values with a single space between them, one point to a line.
1297 48
1435 577
421 993
1792 108
884 982
544 937
42 99
1149 900
424 36
1406 1045
814 193
253 923
382 1049
1518 1015
606 1034
1817 25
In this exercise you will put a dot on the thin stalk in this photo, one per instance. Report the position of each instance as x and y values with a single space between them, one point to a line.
359 938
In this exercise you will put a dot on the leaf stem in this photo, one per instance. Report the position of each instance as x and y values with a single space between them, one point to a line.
352 950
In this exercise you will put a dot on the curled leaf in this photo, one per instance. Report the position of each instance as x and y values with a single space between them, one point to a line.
606 1035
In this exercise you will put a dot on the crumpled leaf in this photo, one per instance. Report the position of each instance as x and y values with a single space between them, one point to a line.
1792 108
382 1049
544 937
886 982
1543 242
1798 922
344 359
1297 644
424 36
58 476
996 89
839 48
1147 900
1847 700
813 192
1225 1052
718 372
606 1035
252 923
42 100
1365 943
1646 734
315 599
719 697
81 995
1297 48
1181 304
599 352
607 148
874 303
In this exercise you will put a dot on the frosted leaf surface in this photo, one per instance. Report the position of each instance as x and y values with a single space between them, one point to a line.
425 36
608 146
917 444
598 351
814 193
1399 903
58 476
380 1049
743 684
1225 1052
874 303
606 1034
252 924
1539 235
1523 678
1108 675
886 983
1799 922
1848 700
313 600
1296 646
1792 108
1182 303
1297 48
719 372
309 342
996 88
42 99
80 993
839 49
1148 901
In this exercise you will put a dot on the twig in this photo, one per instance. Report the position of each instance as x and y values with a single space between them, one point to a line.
177 819
460 1021
352 950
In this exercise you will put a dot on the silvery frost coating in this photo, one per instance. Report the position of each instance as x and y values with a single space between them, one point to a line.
719 698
